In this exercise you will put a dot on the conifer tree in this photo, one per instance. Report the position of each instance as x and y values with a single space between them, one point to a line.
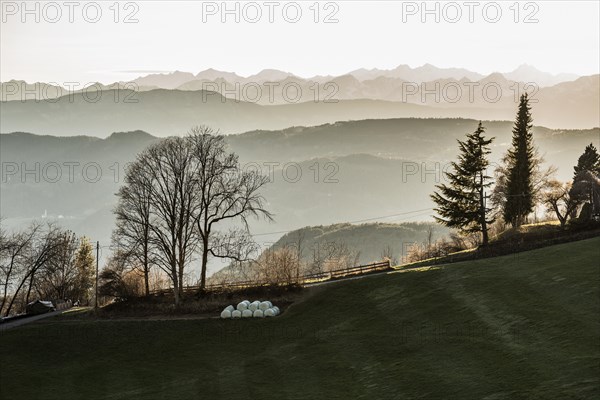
521 164
588 161
85 264
462 202
585 176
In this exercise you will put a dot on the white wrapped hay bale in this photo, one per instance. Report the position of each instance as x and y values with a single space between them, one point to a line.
269 312
247 309
255 305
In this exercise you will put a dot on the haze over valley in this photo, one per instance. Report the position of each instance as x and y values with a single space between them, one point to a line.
353 171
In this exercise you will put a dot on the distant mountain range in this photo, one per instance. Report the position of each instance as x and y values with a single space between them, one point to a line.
424 73
573 105
358 84
170 103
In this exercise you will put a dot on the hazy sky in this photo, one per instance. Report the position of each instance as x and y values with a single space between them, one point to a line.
191 36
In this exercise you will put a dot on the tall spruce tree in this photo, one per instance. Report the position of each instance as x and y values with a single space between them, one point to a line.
588 167
521 165
462 202
588 161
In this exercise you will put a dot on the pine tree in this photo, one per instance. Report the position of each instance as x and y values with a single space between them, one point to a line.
85 264
588 167
462 202
588 161
521 165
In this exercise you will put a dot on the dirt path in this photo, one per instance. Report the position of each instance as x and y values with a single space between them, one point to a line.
4 326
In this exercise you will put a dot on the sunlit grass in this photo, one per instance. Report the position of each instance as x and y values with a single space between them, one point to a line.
76 310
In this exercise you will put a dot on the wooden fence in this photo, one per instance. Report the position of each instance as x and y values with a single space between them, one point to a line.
342 273
303 280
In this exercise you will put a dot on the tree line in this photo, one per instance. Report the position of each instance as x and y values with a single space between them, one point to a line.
519 183
184 200
286 264
44 262
187 199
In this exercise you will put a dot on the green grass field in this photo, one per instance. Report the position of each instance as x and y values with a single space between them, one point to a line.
524 326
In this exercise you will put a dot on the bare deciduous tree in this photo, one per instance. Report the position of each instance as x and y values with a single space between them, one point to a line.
59 277
388 254
37 247
183 196
13 250
132 236
278 266
167 167
557 197
227 194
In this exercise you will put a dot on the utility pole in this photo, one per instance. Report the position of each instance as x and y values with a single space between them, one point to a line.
97 256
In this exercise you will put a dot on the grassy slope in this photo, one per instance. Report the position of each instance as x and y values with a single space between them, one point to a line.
517 327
